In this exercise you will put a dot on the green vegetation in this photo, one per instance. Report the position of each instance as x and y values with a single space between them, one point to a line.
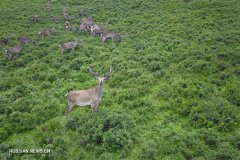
174 92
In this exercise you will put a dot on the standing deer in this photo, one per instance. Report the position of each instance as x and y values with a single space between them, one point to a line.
66 16
4 41
69 27
96 30
35 18
90 97
69 46
46 32
110 35
83 28
15 50
81 13
48 6
22 40
55 18
87 21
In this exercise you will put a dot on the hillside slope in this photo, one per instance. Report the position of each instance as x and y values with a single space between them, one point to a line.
173 94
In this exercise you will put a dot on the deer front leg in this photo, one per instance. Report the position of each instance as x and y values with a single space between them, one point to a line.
94 107
68 108
62 50
10 56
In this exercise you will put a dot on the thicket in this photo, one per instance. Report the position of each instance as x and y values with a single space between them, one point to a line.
174 92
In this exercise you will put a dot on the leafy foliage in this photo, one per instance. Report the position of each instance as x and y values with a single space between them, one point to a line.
174 92
107 130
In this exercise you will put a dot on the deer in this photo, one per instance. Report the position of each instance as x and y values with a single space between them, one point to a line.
25 40
35 18
90 97
46 32
65 14
48 6
81 13
83 28
69 46
86 21
109 35
4 41
69 27
55 18
96 30
15 50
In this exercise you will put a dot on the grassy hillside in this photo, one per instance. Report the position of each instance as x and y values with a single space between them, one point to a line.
174 92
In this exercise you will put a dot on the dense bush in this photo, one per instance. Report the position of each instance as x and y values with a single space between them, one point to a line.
175 74
216 112
148 151
109 130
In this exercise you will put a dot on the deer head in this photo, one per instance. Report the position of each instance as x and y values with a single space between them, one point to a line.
102 78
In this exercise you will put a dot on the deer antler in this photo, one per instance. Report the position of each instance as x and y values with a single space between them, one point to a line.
108 73
91 72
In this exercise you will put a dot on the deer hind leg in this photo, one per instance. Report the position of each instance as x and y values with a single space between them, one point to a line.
96 107
92 107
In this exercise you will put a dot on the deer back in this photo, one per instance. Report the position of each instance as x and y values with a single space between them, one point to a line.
82 97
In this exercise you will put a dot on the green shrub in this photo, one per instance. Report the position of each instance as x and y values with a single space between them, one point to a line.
216 112
226 152
112 131
138 103
210 137
148 151
106 156
235 140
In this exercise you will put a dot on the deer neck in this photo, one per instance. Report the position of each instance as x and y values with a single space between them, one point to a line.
98 90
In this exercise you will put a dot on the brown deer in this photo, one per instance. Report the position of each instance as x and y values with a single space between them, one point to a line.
48 6
66 16
110 35
55 18
81 13
97 30
69 46
35 18
83 28
69 27
46 32
15 50
86 21
90 97
4 41
25 40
